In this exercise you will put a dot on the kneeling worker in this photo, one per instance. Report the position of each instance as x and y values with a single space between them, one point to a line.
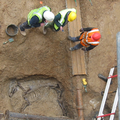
36 18
89 39
61 19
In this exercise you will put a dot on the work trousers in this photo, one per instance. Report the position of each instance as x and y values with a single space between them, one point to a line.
76 39
24 26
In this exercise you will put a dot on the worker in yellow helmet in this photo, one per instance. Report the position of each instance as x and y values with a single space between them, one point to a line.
61 19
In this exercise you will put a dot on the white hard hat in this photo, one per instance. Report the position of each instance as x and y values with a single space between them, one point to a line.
48 15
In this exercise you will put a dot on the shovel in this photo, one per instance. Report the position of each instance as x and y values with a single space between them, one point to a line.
10 40
106 78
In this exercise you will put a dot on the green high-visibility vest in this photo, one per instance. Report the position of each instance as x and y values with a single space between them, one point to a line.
62 19
37 12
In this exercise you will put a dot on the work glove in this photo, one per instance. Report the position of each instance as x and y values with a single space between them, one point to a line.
81 30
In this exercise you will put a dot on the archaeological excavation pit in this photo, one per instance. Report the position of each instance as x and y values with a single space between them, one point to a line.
37 95
46 60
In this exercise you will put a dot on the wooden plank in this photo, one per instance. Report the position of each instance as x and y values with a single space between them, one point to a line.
78 26
78 56
71 33
74 23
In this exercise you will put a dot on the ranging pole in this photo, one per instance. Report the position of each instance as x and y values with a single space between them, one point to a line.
118 69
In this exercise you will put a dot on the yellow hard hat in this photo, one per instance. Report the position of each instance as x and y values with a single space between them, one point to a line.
72 16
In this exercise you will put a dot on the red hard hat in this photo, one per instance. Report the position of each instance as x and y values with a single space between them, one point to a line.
96 36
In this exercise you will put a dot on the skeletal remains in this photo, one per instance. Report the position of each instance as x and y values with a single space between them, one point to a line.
35 91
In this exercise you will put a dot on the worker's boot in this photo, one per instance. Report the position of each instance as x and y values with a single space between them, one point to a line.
71 49
71 38
23 32
44 30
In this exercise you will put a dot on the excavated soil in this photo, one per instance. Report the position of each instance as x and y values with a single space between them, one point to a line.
35 71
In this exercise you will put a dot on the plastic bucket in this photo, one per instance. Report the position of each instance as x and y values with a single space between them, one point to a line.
12 30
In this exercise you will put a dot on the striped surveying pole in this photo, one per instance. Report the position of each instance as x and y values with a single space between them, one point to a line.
118 69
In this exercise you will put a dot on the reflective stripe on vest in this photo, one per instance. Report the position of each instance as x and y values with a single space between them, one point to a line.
63 14
37 12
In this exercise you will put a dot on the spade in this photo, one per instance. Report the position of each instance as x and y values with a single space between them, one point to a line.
10 40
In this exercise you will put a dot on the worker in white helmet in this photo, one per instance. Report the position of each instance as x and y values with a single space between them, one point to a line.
36 18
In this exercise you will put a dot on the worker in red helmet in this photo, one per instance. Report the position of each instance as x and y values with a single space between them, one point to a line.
89 38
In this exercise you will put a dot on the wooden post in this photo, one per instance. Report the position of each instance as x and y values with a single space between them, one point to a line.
79 98
9 114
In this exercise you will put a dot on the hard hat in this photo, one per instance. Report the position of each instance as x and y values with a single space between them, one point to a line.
48 15
96 36
72 16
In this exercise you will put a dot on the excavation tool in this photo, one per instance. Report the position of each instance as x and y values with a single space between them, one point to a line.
108 92
106 78
76 3
90 2
10 40
84 84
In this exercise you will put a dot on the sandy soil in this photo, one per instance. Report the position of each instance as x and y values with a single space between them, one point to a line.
104 15
41 64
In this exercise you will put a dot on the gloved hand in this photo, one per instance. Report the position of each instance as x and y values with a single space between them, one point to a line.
84 49
81 30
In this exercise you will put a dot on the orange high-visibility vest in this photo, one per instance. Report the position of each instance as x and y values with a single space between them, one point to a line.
85 38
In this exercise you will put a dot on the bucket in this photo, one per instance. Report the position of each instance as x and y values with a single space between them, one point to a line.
12 30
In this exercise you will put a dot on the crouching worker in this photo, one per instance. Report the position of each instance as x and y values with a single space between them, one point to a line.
61 19
36 18
89 39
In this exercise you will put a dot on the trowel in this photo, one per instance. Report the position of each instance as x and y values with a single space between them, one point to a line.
90 2
10 40
75 3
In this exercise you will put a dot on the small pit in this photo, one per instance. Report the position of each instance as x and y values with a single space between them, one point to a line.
37 95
